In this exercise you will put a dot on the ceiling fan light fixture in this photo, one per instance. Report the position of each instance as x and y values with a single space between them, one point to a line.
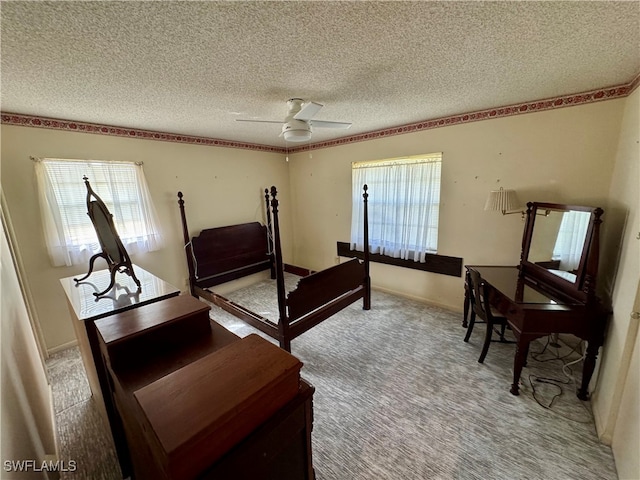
296 131
297 135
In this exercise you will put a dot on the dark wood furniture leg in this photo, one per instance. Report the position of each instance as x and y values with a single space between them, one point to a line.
467 302
472 321
520 360
366 299
487 340
587 369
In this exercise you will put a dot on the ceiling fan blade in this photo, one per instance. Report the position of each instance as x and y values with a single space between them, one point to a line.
324 124
258 121
308 110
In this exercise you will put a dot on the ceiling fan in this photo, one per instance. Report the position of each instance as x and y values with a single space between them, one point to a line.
298 122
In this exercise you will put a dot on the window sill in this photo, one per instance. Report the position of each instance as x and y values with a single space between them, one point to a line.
434 263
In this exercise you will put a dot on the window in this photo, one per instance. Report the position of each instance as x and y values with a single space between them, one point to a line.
69 234
404 205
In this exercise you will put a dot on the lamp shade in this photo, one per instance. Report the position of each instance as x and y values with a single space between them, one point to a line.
502 200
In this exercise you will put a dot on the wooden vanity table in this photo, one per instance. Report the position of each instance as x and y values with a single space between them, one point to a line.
538 300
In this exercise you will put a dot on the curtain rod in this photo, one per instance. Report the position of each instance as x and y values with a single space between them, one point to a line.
36 159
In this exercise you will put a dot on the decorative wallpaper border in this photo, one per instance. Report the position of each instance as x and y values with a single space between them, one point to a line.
506 111
57 124
517 109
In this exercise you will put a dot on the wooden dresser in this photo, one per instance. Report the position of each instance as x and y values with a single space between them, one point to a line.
196 401
85 309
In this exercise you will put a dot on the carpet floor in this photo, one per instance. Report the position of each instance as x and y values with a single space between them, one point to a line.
399 395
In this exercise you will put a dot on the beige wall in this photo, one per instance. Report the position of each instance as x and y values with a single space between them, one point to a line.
221 186
27 410
562 156
616 400
626 443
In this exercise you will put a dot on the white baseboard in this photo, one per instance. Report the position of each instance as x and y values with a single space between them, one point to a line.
62 347
451 308
604 435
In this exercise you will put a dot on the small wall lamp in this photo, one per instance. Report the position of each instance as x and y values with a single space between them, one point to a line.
505 201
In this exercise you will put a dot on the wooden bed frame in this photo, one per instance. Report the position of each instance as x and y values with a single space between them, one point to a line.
218 255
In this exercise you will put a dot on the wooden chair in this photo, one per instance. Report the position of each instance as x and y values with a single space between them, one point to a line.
480 307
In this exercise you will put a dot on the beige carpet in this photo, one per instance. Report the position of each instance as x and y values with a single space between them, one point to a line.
399 395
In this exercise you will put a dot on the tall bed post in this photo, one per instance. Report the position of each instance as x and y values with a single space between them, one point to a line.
269 234
187 246
283 321
366 300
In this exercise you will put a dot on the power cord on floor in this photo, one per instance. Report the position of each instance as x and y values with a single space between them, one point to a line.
557 383
536 355
549 381
566 370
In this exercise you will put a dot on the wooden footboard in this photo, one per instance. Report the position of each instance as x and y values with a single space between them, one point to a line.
323 294
311 319
322 287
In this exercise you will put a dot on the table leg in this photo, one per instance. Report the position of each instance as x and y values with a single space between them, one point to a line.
587 369
520 358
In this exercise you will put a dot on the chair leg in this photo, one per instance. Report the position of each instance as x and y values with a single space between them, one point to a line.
487 341
472 321
503 327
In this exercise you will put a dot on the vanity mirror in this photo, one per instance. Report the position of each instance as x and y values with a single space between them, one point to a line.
560 247
113 251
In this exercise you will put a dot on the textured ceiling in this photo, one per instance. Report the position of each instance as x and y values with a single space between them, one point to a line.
192 68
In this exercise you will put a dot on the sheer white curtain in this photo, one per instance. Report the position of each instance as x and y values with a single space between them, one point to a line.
69 233
570 240
404 204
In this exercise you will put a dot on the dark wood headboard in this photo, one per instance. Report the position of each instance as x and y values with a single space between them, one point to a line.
219 255
226 253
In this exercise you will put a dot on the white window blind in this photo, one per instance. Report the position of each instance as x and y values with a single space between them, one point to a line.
404 205
69 234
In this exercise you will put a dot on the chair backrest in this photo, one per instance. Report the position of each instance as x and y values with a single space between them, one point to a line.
479 296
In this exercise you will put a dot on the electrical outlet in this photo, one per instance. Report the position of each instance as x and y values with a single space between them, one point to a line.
337 260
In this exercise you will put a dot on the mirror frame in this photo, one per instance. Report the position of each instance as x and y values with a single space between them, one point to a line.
583 289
